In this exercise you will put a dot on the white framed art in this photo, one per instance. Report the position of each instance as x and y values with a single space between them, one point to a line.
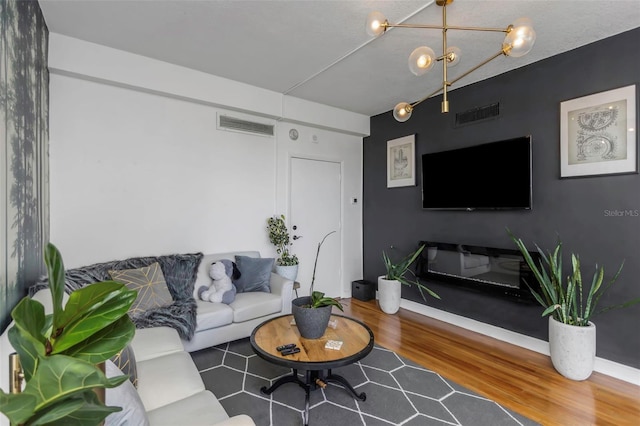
401 162
598 134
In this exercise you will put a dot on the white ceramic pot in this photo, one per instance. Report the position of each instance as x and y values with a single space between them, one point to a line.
389 295
289 272
573 349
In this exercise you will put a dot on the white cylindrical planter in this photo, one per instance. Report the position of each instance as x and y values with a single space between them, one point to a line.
389 295
573 349
289 272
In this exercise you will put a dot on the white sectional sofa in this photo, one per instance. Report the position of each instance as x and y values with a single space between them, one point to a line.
170 386
170 390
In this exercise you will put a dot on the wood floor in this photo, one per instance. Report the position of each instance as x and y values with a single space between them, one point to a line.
519 379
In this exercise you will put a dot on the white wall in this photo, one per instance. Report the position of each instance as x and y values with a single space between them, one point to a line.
139 174
139 168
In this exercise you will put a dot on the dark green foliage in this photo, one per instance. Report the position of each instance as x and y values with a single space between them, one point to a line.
318 300
59 351
568 302
279 237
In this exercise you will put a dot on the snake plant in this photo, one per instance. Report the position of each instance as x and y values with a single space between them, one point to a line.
569 302
398 270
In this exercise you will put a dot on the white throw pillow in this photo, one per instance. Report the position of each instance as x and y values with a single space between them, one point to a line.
125 396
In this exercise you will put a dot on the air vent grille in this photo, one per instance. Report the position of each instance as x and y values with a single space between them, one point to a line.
226 122
478 114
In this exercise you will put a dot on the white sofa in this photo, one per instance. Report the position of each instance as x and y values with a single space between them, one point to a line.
170 390
219 323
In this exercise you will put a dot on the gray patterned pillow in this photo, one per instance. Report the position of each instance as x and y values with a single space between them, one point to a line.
150 284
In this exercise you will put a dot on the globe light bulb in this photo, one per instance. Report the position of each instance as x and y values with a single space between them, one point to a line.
402 112
519 41
453 57
376 24
421 60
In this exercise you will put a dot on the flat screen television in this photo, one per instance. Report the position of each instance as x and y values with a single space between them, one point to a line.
490 176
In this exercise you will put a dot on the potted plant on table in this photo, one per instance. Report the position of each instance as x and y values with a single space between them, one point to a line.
312 313
286 263
389 284
60 353
570 306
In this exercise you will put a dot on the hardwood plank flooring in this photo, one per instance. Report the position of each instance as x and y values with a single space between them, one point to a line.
519 379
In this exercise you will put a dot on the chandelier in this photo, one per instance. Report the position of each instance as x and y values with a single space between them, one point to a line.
519 40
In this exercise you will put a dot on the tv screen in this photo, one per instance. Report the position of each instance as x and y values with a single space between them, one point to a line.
490 176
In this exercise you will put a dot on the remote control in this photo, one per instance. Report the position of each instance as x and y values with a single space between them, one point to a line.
290 351
285 347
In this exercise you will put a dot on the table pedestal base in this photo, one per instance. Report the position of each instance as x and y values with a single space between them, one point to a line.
314 379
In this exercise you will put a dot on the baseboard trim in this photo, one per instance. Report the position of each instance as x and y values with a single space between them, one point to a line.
604 366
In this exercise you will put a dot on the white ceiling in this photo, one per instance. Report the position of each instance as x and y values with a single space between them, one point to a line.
319 49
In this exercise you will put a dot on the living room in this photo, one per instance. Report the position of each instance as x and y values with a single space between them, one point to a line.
137 166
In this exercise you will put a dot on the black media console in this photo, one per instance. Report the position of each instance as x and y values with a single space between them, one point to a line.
500 272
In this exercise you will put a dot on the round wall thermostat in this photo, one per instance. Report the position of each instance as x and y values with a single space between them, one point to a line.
293 134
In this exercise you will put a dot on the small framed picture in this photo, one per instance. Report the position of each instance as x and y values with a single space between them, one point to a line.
598 134
401 162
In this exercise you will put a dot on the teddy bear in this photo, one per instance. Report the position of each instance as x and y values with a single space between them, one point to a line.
221 288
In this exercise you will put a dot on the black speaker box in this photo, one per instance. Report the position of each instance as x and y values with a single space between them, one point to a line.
363 290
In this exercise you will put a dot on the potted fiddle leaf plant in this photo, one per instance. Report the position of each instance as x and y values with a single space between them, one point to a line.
570 305
389 284
61 353
286 263
312 313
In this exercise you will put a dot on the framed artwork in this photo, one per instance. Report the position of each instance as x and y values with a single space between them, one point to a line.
401 162
598 134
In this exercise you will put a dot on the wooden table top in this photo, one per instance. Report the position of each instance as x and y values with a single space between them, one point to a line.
357 341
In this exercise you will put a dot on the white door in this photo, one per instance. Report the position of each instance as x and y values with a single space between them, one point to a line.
315 199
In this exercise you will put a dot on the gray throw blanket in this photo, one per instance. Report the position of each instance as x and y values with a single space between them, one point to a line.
179 270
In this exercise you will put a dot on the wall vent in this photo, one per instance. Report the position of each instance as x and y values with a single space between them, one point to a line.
478 114
235 124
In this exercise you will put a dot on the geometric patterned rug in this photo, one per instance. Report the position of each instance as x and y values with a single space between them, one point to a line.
399 392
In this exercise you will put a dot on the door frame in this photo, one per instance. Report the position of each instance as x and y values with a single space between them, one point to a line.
290 157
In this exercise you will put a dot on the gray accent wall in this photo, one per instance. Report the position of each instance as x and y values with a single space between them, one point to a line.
576 210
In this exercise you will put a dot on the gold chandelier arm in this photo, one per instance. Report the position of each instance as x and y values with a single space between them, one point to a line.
441 27
416 103
495 30
414 26
449 83
481 64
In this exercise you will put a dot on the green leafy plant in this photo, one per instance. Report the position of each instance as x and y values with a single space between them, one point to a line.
318 299
398 270
569 302
279 237
59 351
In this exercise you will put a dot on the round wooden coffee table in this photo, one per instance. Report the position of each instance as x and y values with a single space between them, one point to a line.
314 358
